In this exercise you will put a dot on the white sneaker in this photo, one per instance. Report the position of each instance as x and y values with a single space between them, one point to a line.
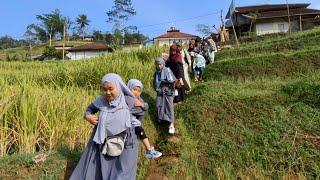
171 130
153 154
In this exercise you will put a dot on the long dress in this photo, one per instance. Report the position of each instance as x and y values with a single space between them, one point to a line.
93 165
186 63
177 70
165 96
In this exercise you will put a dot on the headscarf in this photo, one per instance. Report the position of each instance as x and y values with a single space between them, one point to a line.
175 53
163 75
134 83
115 117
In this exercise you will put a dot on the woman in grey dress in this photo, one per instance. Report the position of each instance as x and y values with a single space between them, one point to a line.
163 84
114 120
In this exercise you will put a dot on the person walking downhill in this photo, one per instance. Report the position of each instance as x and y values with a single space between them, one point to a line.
200 64
101 160
163 84
176 65
137 108
213 49
186 60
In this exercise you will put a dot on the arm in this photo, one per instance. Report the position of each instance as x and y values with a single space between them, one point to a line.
145 106
90 116
154 81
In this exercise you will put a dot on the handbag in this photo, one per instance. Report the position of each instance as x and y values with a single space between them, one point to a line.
114 145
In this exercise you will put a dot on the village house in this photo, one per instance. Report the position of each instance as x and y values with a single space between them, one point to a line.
173 36
88 51
273 18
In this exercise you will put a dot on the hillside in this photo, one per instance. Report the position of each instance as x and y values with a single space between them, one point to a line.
256 116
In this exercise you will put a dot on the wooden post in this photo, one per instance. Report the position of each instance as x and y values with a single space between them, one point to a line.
289 17
234 31
300 23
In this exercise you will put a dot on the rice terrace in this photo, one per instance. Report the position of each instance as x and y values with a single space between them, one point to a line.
249 110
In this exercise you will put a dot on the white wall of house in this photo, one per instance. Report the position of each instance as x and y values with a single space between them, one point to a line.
169 42
77 55
271 27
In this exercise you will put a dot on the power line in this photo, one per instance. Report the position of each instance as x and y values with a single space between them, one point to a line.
178 20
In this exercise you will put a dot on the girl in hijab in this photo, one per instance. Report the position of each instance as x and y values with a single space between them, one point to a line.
137 108
163 81
186 62
175 63
114 119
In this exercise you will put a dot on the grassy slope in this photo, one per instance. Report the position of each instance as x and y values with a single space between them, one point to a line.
257 115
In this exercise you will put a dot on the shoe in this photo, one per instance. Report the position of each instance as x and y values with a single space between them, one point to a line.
171 130
153 154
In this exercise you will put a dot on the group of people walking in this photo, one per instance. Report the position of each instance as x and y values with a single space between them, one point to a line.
112 150
202 52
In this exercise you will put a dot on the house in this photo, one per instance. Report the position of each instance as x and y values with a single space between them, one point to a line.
88 51
173 35
60 48
273 18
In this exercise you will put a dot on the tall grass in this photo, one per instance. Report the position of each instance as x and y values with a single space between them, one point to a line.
42 103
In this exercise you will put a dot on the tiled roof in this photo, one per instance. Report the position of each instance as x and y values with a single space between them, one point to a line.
282 13
269 7
175 34
97 46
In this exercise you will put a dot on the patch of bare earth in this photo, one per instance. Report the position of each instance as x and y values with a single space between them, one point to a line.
158 166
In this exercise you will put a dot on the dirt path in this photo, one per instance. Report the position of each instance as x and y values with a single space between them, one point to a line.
157 169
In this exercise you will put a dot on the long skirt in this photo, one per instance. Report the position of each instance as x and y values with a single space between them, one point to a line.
181 95
93 165
165 108
186 79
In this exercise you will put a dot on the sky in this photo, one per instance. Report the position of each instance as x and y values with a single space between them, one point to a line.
153 18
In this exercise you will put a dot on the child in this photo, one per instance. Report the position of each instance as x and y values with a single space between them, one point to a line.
137 108
163 84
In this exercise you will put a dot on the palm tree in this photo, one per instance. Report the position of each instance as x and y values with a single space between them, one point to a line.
83 21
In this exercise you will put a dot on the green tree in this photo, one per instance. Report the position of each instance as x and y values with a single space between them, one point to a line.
97 35
82 21
51 25
108 38
49 52
120 12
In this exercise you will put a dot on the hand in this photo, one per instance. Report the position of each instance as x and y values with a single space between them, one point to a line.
138 103
92 119
181 81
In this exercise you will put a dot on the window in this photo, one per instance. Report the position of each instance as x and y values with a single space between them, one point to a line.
281 27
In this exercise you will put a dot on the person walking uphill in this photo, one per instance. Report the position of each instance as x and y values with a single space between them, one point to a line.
102 162
163 84
175 63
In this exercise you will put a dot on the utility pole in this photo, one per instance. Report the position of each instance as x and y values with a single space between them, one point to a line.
221 17
64 40
300 23
289 17
50 35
